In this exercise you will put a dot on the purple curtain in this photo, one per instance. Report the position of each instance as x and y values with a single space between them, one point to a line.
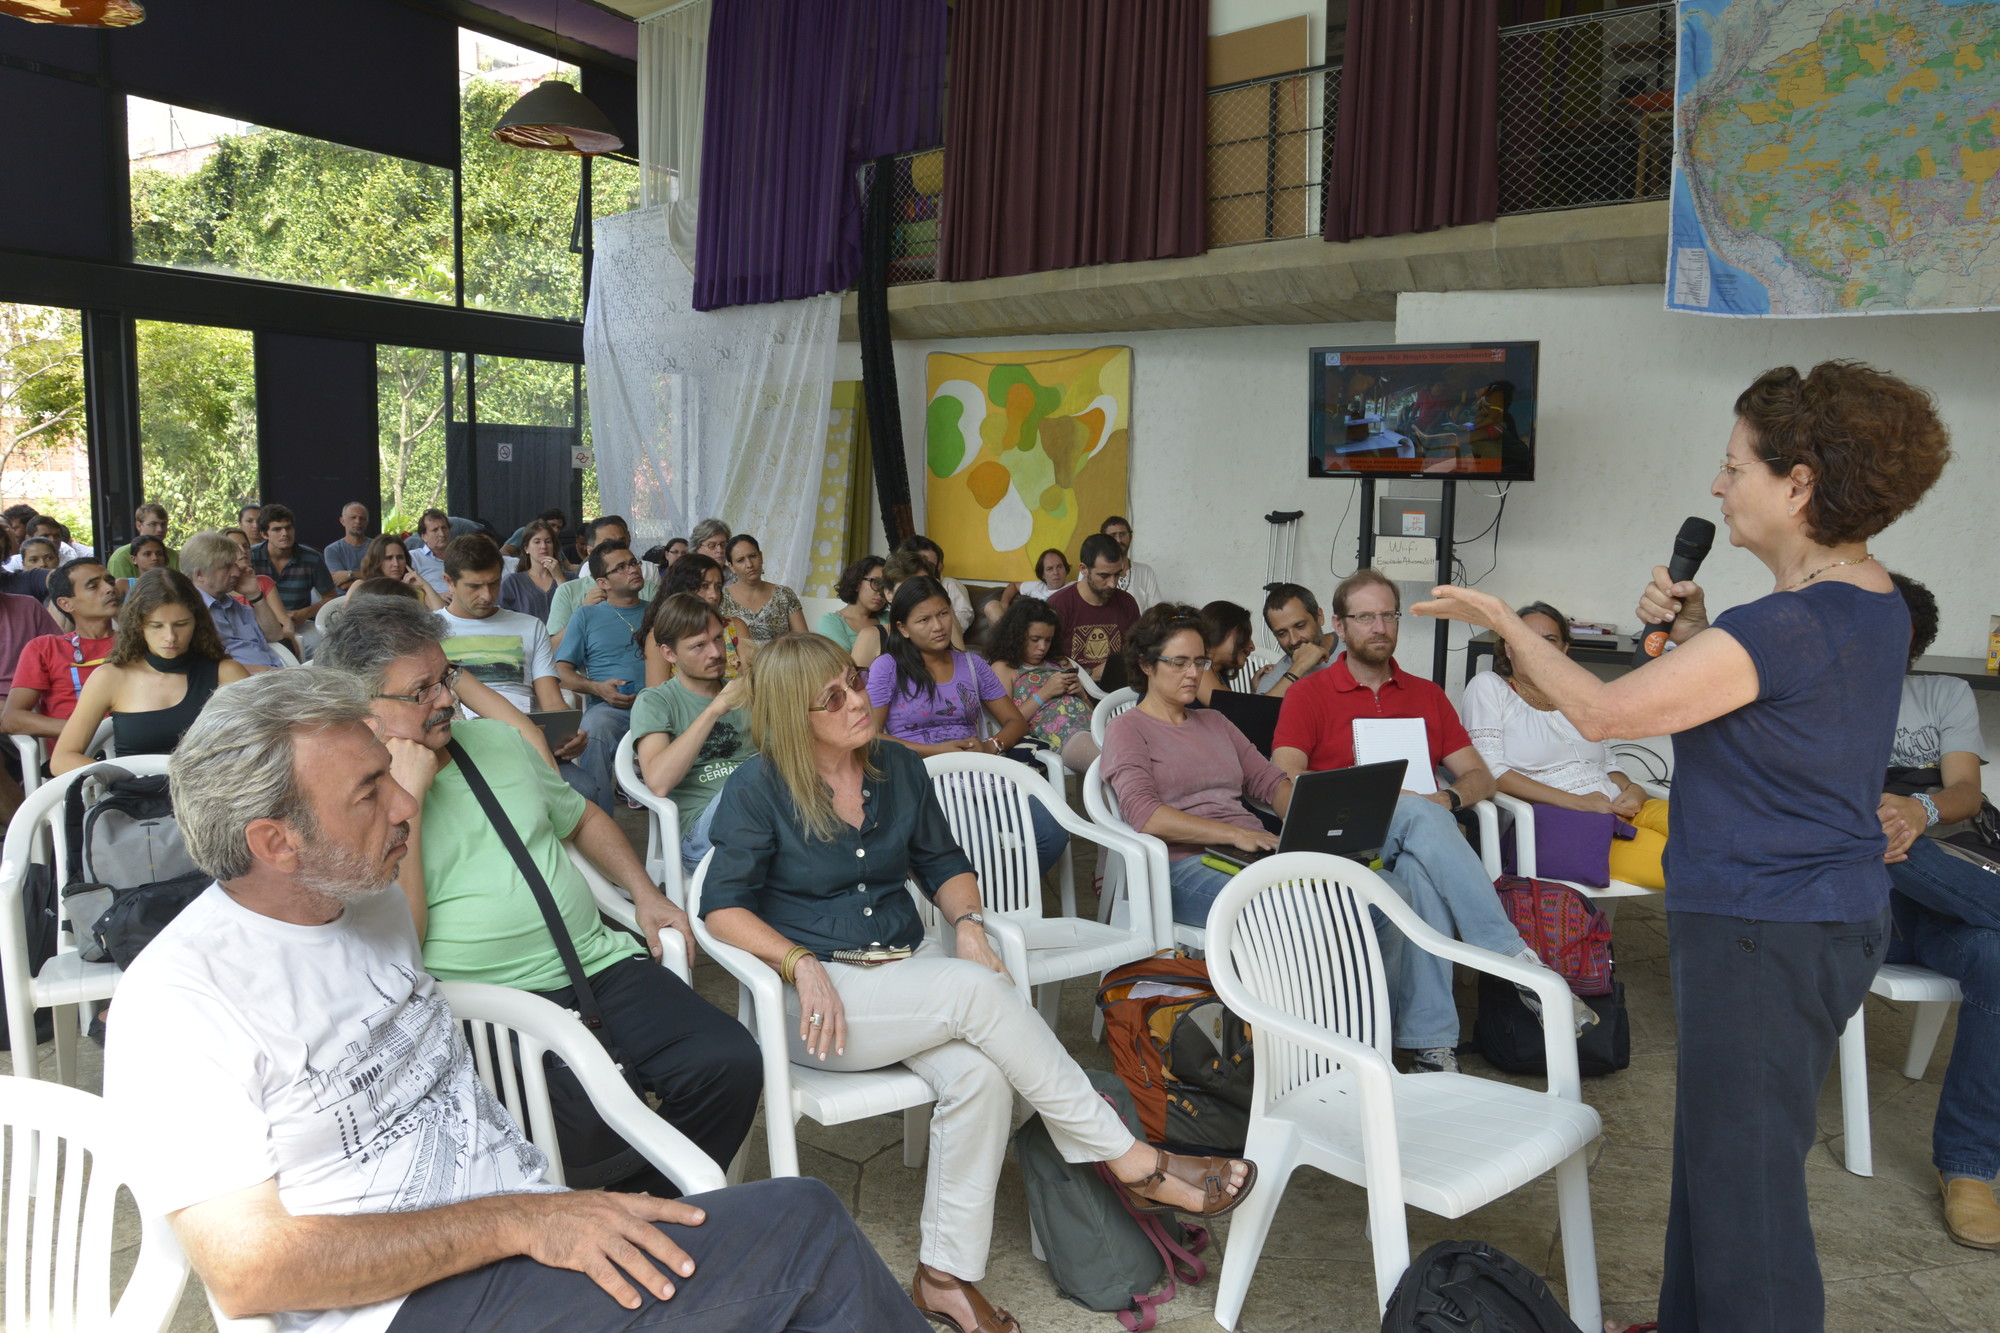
1076 135
801 93
1418 145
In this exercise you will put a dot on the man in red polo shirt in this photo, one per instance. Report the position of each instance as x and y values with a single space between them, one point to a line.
1426 858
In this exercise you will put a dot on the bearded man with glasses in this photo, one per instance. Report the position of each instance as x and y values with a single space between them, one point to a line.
1426 858
475 914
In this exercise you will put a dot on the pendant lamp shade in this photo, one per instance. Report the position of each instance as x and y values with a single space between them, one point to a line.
555 115
77 13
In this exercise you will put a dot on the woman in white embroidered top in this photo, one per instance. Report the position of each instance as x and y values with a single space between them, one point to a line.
1538 755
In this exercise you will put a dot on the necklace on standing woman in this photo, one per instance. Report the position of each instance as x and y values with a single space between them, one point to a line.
1861 559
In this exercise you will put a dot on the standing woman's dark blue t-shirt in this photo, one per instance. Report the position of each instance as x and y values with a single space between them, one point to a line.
1773 812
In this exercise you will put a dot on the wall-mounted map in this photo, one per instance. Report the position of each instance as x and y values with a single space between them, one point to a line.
1836 157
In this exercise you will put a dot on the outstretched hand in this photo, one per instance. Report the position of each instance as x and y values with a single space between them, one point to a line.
1469 605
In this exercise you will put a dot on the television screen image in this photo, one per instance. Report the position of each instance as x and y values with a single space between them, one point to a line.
1424 410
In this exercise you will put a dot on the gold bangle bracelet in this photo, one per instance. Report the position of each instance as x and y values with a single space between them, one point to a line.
793 957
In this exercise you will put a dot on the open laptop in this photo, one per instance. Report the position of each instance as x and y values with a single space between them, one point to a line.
1342 812
1255 715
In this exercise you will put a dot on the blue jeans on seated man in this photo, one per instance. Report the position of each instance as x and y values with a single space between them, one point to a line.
1429 864
1947 918
606 726
695 841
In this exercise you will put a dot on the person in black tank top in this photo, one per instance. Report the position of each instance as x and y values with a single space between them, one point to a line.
166 663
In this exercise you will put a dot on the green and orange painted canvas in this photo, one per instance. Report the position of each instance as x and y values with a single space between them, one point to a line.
1024 451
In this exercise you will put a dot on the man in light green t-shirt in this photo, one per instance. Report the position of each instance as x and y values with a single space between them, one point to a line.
148 520
694 730
582 590
475 912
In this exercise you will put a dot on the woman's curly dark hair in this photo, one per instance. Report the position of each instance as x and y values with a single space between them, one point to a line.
1008 643
1923 614
1873 443
1221 621
1161 622
848 589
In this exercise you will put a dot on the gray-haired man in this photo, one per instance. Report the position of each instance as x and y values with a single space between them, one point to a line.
220 569
306 1113
474 911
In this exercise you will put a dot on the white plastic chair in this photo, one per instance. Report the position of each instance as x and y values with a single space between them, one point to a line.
830 1097
663 822
60 1191
1293 952
35 837
1109 707
1113 903
1057 774
615 903
29 748
1934 994
986 801
1524 854
489 1013
284 654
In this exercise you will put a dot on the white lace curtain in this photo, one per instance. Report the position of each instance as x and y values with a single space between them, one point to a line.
696 414
673 84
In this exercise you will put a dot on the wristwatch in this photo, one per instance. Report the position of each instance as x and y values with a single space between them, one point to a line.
973 917
1453 797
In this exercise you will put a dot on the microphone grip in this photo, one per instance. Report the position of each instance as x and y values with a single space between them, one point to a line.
1652 640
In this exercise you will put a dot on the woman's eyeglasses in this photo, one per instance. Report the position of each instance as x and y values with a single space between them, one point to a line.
1733 468
1183 663
839 694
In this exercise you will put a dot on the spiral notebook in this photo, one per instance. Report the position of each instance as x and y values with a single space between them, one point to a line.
1378 740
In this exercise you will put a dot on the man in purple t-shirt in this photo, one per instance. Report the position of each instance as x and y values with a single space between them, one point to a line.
1094 613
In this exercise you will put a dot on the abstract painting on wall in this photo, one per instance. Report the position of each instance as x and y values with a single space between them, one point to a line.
1023 451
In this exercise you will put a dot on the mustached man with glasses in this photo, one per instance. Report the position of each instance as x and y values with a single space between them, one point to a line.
477 916
1426 859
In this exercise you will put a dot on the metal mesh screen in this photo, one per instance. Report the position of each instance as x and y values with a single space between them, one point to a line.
919 195
1587 110
1268 144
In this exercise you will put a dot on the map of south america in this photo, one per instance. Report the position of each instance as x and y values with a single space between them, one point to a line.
1836 157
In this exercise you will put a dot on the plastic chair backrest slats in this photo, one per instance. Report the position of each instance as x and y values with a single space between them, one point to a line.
989 816
1307 947
520 1085
59 1232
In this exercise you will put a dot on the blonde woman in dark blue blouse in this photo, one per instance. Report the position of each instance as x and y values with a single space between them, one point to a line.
814 838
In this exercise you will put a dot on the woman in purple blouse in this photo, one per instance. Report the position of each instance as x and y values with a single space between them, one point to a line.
927 695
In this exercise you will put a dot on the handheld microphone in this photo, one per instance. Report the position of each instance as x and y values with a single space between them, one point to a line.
1690 549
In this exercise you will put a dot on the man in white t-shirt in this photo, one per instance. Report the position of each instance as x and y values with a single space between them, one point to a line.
303 1107
510 652
1138 577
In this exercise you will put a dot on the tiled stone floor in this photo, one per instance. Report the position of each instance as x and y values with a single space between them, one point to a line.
1888 1263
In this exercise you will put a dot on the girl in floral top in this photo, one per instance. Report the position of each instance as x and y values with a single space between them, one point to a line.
1046 692
769 609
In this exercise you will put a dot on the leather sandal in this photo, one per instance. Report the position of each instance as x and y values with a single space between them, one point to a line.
1209 1174
988 1318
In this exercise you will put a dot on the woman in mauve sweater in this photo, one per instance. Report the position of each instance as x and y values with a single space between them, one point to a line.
1181 773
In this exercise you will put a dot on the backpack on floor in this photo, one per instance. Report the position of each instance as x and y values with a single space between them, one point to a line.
127 873
1509 1036
1101 1253
1563 927
1459 1286
1185 1058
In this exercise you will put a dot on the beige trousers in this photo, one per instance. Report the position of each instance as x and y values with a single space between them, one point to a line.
967 1032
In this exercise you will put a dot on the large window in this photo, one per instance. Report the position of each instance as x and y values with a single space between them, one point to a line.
520 204
197 423
43 461
227 196
416 392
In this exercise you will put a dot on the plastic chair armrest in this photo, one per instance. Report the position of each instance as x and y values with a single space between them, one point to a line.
1524 832
158 1279
1488 815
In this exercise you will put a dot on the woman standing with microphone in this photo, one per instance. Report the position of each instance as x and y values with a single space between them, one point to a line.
1783 711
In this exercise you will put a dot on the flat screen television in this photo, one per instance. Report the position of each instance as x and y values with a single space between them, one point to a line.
1424 410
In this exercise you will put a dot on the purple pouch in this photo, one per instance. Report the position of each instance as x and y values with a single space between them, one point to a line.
1576 844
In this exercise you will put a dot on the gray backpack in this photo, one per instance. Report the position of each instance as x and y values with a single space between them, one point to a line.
1102 1254
128 872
